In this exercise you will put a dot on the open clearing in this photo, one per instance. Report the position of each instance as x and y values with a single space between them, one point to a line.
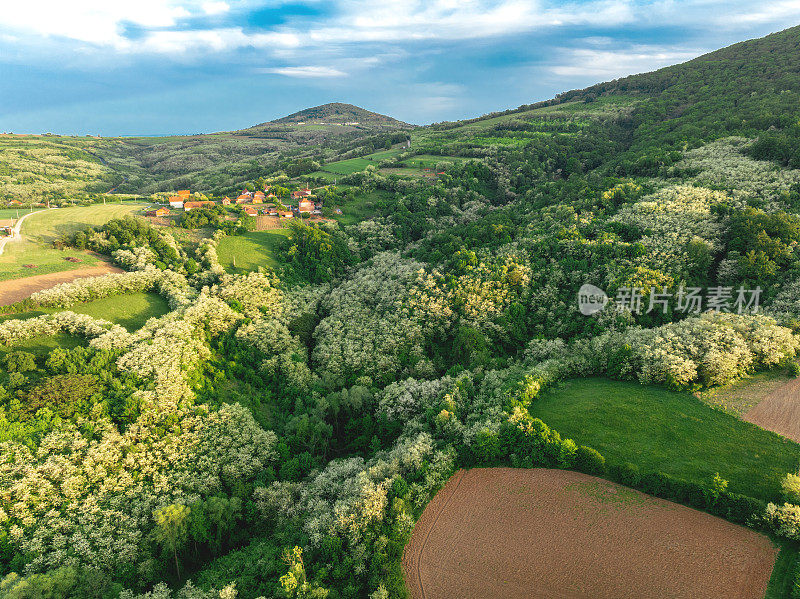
670 432
34 247
539 533
250 250
779 411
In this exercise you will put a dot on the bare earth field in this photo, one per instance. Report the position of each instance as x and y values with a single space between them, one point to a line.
539 533
18 289
779 411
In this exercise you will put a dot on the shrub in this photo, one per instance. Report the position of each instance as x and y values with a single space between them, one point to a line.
589 460
20 361
790 485
626 474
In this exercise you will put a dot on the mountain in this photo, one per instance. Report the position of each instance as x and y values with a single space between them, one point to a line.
338 113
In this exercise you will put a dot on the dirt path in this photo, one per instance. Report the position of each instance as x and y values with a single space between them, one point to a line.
547 534
16 233
18 289
779 411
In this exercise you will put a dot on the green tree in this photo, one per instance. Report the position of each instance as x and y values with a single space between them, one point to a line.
172 529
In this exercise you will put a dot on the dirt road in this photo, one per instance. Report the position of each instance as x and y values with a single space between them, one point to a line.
18 289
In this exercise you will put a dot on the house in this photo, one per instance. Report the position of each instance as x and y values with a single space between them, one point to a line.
250 211
226 201
271 195
158 212
305 206
285 214
176 202
272 211
301 193
15 203
205 204
258 197
243 199
184 193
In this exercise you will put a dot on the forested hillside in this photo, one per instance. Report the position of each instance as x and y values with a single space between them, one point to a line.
279 432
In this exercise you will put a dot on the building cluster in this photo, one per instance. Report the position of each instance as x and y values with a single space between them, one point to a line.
253 203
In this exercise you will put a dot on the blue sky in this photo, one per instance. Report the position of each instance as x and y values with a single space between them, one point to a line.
114 67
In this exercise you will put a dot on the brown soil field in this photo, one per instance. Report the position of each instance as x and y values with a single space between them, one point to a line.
18 289
779 411
540 533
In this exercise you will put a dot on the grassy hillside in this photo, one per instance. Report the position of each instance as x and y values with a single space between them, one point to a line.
663 431
35 246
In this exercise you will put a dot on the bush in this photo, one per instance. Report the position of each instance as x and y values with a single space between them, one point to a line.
625 474
790 485
736 508
589 461
20 361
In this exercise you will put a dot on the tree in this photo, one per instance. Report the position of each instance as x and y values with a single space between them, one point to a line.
294 582
172 529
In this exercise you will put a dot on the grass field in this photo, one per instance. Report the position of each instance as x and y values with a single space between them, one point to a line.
130 310
250 250
665 431
360 208
41 229
348 167
44 344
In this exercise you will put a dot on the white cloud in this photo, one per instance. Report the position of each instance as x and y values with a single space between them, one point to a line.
215 8
95 21
610 64
305 71
101 23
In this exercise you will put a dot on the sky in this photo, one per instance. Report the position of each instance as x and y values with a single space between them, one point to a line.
150 67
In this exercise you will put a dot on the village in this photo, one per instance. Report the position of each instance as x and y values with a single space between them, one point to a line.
254 203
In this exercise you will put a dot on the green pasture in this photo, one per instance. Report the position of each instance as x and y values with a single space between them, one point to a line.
670 432
250 250
42 228
130 311
348 167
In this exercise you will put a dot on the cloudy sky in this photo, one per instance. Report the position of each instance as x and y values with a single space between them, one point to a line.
120 67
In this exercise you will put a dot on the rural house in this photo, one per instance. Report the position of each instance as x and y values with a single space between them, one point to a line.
176 202
250 211
185 193
301 193
163 211
305 205
243 199
226 201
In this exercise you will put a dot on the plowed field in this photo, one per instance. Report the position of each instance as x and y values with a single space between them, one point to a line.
514 533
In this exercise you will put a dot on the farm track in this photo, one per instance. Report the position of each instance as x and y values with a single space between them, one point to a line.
554 534
779 411
18 289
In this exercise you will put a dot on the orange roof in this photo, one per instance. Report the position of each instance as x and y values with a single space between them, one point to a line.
184 192
198 204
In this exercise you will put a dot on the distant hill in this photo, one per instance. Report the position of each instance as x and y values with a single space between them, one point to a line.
337 113
742 89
